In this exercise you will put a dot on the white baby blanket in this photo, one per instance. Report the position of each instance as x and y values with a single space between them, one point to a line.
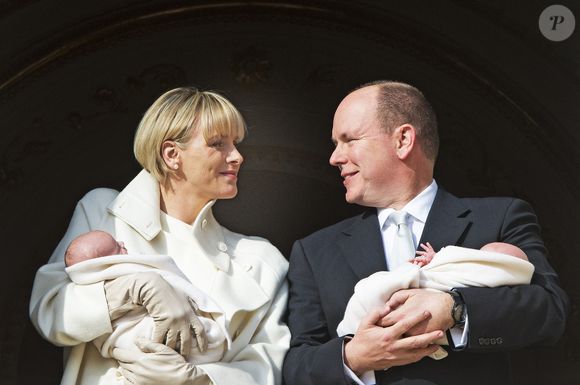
138 323
453 266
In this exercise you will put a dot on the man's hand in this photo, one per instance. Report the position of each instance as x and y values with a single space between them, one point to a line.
173 317
156 364
416 301
374 347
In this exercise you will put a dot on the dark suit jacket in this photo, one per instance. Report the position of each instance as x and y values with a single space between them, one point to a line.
325 266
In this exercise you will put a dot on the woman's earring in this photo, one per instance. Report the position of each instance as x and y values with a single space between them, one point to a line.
175 166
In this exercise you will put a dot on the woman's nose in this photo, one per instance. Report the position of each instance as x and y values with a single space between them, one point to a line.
235 156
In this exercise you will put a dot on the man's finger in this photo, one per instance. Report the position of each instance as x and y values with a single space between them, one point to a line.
424 352
399 298
404 325
422 341
370 320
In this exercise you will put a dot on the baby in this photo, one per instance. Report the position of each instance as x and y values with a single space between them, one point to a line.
427 255
491 266
96 256
93 244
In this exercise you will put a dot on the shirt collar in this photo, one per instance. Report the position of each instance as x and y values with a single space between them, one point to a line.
417 207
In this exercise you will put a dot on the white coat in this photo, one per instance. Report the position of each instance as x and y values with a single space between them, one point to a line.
244 275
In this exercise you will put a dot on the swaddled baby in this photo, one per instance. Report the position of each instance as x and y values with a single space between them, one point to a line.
96 256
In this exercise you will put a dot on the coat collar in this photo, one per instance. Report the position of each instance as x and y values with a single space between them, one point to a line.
138 205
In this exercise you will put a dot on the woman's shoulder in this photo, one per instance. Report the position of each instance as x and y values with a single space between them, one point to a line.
100 194
247 246
98 199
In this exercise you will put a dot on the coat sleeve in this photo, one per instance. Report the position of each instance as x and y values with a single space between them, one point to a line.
260 362
315 357
64 313
512 317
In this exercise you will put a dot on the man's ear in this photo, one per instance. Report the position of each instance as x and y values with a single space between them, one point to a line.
170 154
405 136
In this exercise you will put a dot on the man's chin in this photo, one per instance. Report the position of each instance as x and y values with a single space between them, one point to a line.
352 199
357 200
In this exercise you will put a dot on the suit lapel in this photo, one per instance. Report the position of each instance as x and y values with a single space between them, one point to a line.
447 222
362 245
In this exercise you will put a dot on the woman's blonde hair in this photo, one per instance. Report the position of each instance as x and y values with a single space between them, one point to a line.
177 115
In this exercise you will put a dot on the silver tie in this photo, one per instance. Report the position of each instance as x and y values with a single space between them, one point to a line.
403 247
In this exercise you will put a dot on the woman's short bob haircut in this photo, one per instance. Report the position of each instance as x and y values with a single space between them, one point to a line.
176 116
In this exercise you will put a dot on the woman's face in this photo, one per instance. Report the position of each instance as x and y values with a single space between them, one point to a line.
210 170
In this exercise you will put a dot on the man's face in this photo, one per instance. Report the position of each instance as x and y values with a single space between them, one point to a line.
364 153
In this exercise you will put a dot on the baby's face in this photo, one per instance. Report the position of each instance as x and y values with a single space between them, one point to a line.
120 248
116 247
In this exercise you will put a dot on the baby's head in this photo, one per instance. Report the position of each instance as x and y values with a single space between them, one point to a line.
505 248
91 245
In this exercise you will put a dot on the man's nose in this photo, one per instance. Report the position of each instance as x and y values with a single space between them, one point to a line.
337 157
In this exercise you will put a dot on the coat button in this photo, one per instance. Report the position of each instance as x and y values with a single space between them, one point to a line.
203 223
222 247
483 341
247 267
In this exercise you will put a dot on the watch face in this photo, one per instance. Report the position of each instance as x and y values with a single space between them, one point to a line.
457 311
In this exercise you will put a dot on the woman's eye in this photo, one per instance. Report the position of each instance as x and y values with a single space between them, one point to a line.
216 143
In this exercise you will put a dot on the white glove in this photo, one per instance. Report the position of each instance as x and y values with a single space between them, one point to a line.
157 364
172 314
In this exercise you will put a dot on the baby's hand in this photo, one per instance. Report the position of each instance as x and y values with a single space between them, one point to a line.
424 256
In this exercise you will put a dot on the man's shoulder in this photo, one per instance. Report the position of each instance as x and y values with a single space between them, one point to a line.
483 203
338 229
494 208
487 201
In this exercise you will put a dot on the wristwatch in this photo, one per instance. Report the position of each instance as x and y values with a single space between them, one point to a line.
458 309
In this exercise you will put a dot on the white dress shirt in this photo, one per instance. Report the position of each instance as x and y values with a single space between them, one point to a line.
418 209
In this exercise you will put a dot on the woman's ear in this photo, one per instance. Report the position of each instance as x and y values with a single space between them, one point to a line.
170 153
405 140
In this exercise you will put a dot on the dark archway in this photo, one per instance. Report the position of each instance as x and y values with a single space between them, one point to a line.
75 79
